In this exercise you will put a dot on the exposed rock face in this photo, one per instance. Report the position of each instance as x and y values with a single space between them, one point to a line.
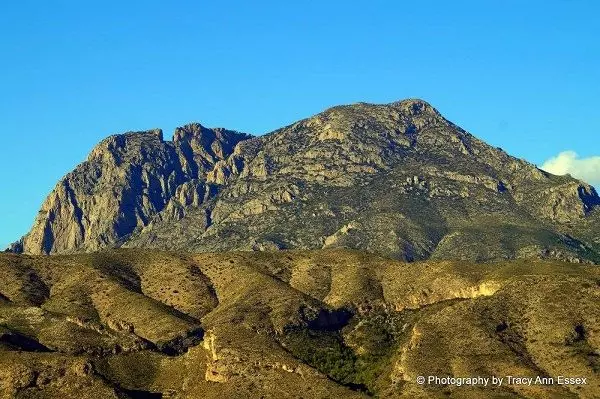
395 179
125 181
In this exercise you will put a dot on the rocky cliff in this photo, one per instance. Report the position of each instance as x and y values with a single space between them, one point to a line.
124 182
396 179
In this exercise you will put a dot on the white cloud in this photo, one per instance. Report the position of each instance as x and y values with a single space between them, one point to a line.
586 169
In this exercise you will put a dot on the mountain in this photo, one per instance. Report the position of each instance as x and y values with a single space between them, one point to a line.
342 256
397 180
138 323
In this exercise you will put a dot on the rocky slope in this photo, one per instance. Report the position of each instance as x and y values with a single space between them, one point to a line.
397 180
291 324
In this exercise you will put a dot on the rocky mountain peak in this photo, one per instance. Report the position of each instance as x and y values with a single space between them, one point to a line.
197 132
415 106
395 179
219 139
190 131
133 144
201 148
158 133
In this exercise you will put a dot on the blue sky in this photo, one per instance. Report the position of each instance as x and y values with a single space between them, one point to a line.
523 75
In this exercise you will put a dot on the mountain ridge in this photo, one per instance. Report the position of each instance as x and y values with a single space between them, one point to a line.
340 177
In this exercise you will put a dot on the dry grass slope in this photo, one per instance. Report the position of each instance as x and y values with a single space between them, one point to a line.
301 324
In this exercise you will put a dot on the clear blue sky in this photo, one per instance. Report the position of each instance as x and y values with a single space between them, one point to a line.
523 75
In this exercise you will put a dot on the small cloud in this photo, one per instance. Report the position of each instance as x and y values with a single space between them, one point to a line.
586 169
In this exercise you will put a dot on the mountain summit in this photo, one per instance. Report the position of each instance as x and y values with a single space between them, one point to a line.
396 179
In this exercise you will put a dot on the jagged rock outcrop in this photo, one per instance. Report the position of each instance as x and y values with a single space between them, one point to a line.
125 181
395 179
